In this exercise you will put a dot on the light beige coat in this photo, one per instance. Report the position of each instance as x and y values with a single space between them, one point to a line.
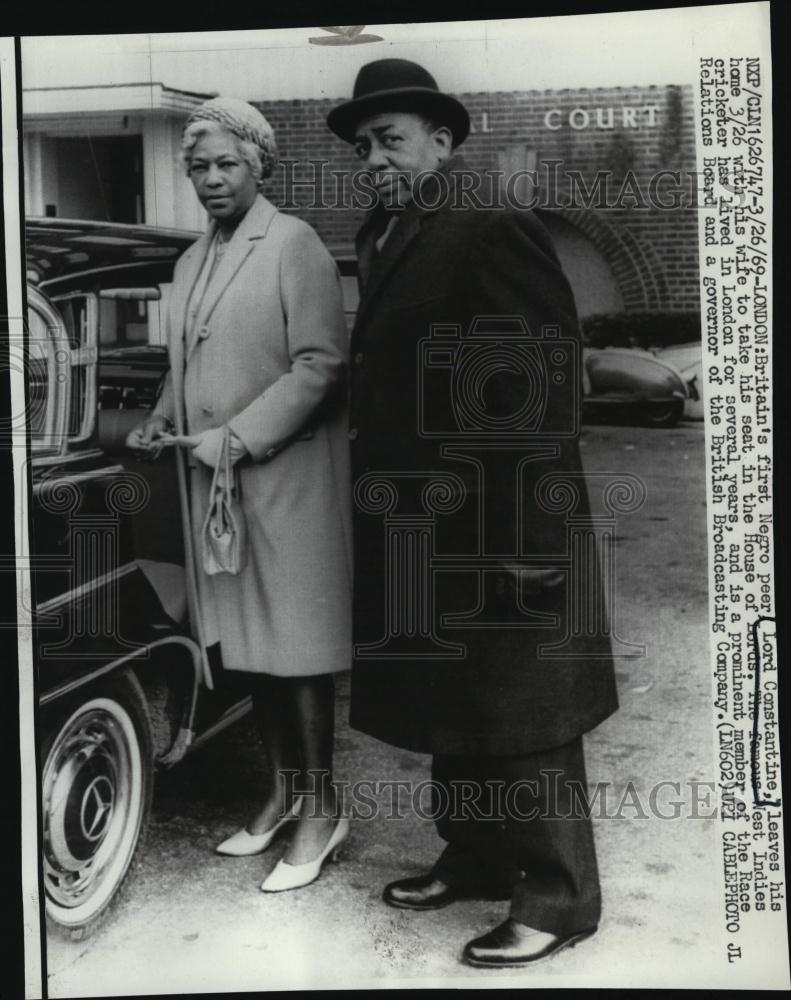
269 359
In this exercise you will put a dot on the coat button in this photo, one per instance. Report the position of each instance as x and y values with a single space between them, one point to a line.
203 333
358 358
208 410
353 434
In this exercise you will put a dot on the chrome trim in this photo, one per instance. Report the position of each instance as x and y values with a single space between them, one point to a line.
46 607
89 344
127 294
78 477
73 277
58 400
81 227
42 461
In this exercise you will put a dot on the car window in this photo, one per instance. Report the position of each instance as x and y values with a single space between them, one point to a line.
130 316
122 323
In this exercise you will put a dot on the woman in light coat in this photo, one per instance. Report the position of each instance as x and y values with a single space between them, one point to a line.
258 348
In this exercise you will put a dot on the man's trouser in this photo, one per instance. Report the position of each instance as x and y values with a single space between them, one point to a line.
520 827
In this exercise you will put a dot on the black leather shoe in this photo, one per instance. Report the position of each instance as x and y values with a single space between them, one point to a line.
511 945
423 892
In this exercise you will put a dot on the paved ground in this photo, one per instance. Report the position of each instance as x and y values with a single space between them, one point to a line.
196 922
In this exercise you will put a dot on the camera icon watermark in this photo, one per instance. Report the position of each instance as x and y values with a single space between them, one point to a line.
498 379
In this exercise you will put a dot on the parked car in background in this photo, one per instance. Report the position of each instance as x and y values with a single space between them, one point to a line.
672 337
124 685
688 359
632 384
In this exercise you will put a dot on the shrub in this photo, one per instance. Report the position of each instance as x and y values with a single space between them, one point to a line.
646 330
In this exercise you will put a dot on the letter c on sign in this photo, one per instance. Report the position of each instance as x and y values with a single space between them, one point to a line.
548 115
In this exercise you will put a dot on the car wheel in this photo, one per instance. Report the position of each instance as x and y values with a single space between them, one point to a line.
97 782
664 414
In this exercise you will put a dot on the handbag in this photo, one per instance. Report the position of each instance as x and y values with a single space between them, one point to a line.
224 537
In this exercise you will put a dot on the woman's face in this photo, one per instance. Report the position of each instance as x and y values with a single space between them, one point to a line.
222 180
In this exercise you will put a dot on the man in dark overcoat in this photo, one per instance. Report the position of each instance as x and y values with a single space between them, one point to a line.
465 403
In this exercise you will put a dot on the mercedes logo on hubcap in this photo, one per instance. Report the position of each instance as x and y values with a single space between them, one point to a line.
96 809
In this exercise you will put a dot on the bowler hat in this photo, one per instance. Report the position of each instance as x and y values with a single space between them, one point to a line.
390 84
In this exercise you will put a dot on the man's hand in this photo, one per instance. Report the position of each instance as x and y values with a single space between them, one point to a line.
207 445
145 439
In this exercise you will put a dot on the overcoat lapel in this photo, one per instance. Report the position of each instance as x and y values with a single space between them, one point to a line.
189 268
382 263
253 227
365 247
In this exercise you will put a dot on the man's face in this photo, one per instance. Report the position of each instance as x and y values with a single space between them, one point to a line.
394 148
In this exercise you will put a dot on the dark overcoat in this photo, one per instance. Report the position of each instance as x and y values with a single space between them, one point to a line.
465 397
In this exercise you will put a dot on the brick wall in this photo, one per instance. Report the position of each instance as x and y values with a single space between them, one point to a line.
652 251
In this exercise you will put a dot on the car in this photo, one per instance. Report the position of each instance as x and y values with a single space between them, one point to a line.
633 384
124 686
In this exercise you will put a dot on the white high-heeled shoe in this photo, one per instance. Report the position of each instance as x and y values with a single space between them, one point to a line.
285 876
242 844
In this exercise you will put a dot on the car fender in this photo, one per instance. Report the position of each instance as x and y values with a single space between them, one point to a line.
152 642
632 374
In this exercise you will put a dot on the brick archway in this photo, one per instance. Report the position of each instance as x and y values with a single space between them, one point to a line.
636 266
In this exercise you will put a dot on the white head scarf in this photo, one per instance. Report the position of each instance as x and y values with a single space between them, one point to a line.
242 120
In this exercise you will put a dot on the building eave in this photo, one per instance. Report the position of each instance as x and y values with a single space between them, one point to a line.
127 98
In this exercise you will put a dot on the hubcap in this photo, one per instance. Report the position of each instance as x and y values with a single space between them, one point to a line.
92 807
97 808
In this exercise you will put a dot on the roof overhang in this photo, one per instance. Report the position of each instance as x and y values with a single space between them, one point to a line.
127 98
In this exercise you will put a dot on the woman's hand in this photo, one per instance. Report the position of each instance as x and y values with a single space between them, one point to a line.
207 446
145 440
